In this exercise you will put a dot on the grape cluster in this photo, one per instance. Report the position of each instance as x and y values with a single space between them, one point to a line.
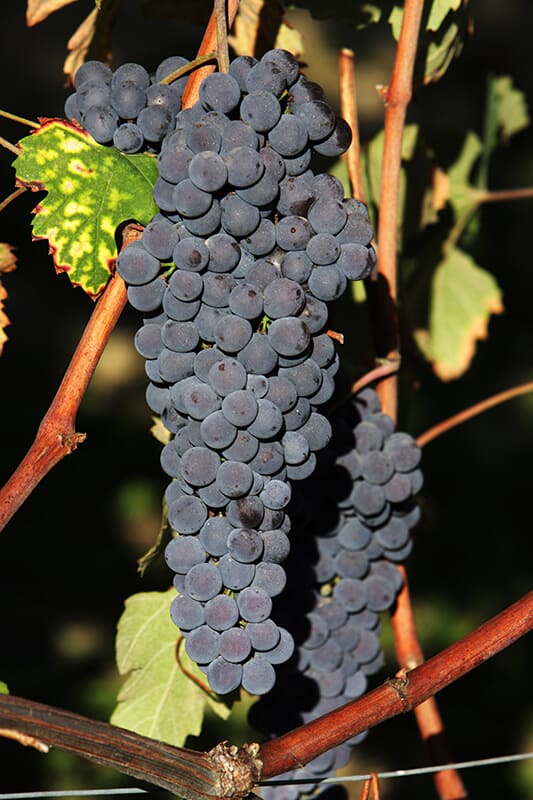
351 545
234 274
128 107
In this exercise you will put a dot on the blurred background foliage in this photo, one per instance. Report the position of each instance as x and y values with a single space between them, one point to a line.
68 558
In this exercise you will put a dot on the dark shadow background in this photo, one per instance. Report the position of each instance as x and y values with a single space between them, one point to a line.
68 558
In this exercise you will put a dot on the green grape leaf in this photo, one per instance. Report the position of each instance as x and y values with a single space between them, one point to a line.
90 189
416 194
437 14
3 688
444 29
157 699
463 197
359 14
463 296
510 107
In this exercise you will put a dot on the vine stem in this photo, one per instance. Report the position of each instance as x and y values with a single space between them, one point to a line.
57 436
222 35
348 98
504 194
194 776
383 296
13 148
472 411
13 196
397 97
16 118
376 374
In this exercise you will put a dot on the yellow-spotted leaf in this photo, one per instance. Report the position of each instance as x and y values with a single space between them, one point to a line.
158 699
463 297
90 189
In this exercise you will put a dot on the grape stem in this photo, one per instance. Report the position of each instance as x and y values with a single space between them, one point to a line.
194 776
203 686
472 411
178 73
13 148
222 36
13 196
16 118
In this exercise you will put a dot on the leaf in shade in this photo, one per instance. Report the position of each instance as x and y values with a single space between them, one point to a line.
360 14
259 26
463 196
510 108
37 10
441 40
158 699
91 40
463 296
196 13
437 14
79 43
3 688
91 190
8 262
416 209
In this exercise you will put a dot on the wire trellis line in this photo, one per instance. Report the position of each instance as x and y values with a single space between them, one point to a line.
398 773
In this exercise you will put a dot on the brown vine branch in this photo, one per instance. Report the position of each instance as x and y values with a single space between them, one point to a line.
384 292
190 774
472 411
348 98
409 655
57 436
378 373
398 695
198 776
504 195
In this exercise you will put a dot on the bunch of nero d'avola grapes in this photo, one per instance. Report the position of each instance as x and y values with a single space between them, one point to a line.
351 523
127 108
233 277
